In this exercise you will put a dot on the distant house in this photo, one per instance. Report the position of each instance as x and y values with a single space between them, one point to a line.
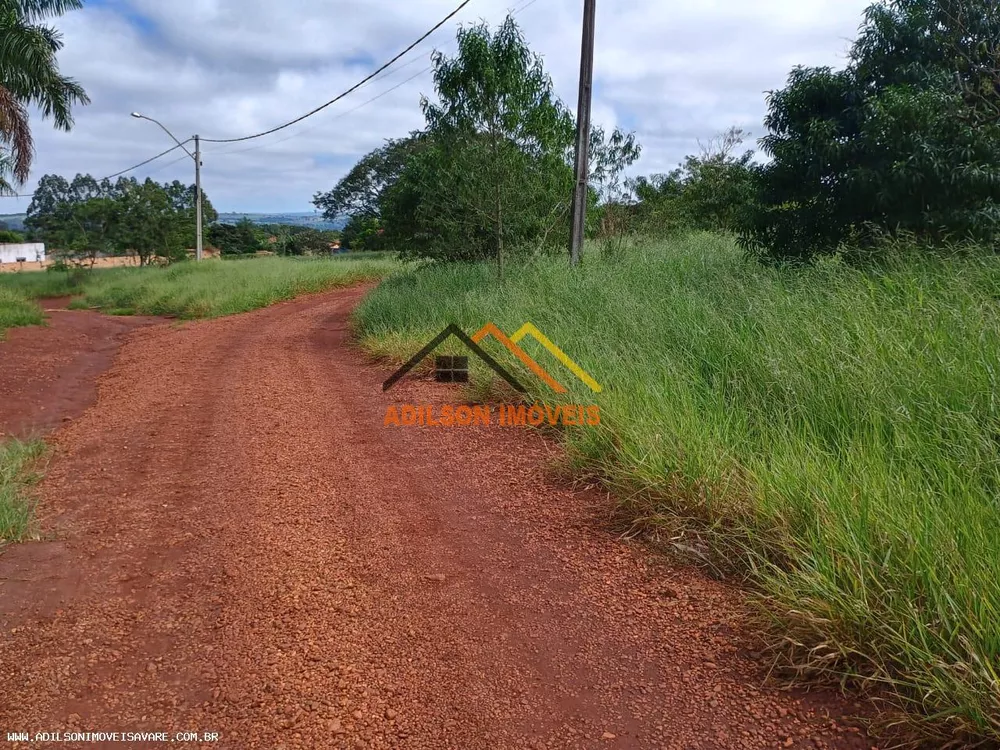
24 252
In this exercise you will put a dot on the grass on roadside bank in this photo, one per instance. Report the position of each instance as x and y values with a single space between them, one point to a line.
833 430
212 288
16 309
196 290
17 462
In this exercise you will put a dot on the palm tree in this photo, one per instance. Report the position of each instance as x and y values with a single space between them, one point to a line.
29 75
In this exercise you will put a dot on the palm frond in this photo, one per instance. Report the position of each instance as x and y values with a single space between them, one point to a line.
37 10
15 132
29 75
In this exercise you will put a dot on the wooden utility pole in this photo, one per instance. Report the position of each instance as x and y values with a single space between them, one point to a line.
580 189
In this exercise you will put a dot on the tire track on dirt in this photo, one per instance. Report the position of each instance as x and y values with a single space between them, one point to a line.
247 550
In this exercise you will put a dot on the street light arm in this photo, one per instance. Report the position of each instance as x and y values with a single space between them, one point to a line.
164 128
196 158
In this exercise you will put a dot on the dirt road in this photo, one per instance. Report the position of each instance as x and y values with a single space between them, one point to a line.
240 547
48 374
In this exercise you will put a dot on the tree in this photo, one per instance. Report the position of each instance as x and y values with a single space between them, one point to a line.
307 241
70 216
85 219
9 235
150 223
242 238
359 193
501 139
905 139
490 173
711 191
364 234
29 76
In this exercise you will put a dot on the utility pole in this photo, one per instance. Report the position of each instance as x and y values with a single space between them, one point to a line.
580 189
197 174
197 188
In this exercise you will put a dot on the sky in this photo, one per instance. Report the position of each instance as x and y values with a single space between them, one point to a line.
673 72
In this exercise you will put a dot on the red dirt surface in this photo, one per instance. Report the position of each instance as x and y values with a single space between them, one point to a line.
241 547
48 373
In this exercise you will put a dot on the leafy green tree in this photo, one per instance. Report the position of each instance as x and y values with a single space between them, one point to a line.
500 138
490 174
712 190
307 242
905 139
242 238
65 215
9 235
85 219
360 191
364 234
149 223
95 224
29 76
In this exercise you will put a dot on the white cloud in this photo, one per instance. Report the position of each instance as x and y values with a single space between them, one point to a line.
674 72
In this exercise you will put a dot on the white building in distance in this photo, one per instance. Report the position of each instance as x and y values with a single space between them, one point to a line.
25 252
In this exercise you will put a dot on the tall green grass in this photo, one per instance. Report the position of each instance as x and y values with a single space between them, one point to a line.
17 460
16 309
198 290
835 432
212 288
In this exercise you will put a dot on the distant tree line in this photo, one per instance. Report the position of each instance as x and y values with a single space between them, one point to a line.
84 219
247 238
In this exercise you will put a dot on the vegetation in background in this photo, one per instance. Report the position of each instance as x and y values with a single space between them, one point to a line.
17 460
30 77
246 238
490 174
9 235
834 430
85 219
710 191
364 234
905 139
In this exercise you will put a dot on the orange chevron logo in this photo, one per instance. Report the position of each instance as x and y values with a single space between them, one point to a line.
511 344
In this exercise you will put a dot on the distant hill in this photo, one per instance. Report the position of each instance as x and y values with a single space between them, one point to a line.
304 219
13 221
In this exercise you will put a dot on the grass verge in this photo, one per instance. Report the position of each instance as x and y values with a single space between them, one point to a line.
197 290
835 433
17 460
17 309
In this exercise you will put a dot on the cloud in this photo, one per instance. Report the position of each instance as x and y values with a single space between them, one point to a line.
675 72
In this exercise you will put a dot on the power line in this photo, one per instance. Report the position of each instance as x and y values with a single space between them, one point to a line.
168 164
524 7
516 12
116 174
317 127
144 163
351 90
